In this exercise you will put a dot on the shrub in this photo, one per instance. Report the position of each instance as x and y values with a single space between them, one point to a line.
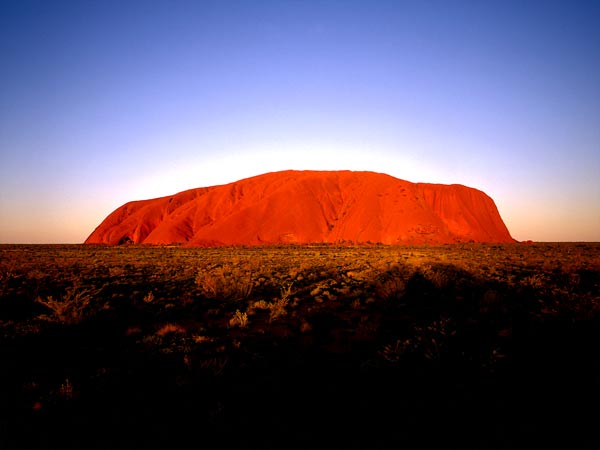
239 319
149 297
72 307
170 328
277 308
391 285
218 284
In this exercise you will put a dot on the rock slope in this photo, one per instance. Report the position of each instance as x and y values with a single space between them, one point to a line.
309 207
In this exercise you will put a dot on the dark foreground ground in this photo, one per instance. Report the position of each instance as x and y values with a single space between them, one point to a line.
466 346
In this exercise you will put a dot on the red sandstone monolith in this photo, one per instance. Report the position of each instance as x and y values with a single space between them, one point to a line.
309 207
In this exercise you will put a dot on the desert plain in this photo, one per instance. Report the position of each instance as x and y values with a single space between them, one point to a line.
467 345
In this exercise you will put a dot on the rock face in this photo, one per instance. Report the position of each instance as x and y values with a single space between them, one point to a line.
309 207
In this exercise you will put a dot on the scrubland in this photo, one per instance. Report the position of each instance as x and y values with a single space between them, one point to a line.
316 346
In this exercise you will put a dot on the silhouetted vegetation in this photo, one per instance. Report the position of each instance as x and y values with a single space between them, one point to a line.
317 346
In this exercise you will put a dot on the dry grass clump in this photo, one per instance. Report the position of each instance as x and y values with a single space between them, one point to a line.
168 328
239 319
221 284
73 306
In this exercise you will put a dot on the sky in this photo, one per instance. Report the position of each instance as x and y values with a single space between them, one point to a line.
104 102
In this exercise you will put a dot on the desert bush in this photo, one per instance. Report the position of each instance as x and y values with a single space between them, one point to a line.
218 284
261 304
66 390
72 307
7 274
446 276
36 274
391 284
149 297
536 281
239 319
116 272
429 341
170 328
215 365
391 288
286 292
277 308
393 353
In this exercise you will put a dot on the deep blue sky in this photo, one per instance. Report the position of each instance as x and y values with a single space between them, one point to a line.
104 102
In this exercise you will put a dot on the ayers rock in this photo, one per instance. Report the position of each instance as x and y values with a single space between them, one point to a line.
309 207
